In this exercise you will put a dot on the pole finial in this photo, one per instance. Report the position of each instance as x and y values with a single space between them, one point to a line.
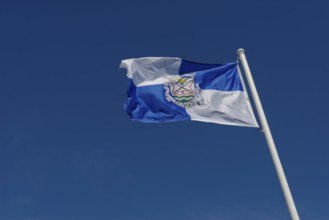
240 51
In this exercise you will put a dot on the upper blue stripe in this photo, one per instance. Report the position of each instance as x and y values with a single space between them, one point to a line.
224 78
189 66
148 104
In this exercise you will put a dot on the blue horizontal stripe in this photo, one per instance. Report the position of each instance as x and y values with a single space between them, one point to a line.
224 78
189 66
148 104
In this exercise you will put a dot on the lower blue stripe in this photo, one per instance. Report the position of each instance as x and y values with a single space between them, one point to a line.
148 104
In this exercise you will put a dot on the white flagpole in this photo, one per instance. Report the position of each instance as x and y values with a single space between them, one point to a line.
269 139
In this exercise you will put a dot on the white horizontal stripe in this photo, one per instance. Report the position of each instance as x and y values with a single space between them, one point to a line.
151 70
222 107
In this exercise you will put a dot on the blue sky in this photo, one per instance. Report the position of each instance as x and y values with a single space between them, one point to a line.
68 150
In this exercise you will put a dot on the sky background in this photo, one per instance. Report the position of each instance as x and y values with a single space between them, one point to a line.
69 152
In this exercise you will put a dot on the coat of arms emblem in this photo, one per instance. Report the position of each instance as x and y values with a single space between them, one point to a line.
183 91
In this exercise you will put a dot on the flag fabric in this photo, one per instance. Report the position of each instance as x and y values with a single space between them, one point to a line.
167 89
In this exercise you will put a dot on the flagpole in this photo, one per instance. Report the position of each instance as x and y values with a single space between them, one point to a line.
269 139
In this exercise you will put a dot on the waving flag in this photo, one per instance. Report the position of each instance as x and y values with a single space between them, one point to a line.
166 89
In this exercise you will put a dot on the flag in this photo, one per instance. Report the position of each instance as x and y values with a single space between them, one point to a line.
168 89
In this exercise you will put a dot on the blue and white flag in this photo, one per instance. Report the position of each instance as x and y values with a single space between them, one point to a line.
167 89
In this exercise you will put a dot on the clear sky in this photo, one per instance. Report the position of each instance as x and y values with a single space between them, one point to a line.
69 152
